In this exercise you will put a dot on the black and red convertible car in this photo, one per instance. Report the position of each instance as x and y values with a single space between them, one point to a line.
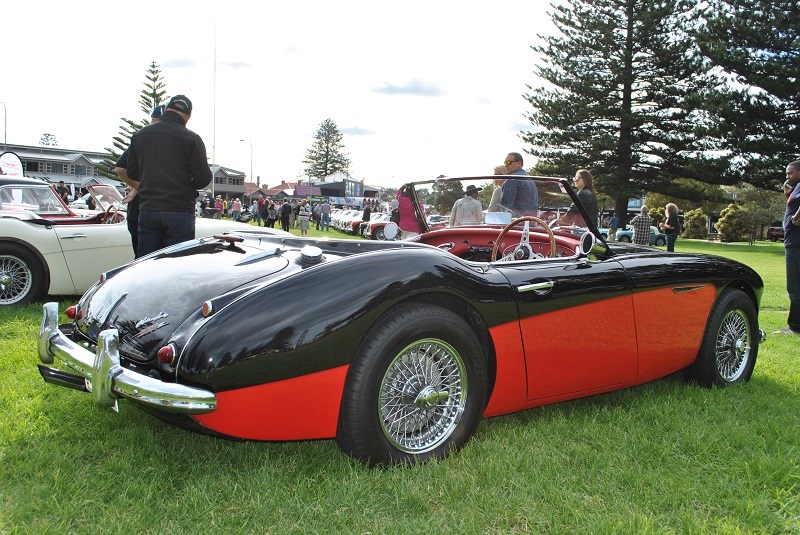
397 349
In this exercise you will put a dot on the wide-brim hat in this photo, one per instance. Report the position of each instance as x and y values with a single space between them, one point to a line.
472 189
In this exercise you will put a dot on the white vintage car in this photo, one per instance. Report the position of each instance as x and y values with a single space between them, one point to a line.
48 248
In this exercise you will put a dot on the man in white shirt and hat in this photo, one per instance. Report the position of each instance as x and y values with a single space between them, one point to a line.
467 210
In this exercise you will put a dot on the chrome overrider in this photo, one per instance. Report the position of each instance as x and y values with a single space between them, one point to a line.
103 376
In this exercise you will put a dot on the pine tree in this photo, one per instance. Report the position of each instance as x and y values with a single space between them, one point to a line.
757 44
151 96
446 194
622 96
327 155
48 140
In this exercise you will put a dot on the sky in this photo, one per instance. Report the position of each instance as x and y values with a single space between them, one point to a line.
418 89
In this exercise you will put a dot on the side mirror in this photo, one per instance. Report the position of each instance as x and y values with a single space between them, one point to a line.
590 246
391 230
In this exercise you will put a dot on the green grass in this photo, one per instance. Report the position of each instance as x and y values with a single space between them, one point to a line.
665 457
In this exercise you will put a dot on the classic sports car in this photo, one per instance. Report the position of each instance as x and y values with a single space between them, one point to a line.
374 228
47 247
397 348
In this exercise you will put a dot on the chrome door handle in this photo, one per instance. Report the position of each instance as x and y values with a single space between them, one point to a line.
538 287
73 237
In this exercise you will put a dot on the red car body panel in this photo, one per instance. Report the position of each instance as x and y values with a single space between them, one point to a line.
688 309
281 410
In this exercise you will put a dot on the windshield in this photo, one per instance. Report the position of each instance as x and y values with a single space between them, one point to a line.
105 196
40 199
500 199
505 218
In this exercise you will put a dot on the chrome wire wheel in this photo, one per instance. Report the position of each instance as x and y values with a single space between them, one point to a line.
733 345
16 279
422 396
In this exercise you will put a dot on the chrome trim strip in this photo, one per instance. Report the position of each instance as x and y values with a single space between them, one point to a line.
684 289
107 380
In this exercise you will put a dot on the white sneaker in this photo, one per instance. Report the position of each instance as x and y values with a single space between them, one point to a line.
787 330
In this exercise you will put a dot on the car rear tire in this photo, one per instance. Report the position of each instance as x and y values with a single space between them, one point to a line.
22 276
730 344
626 239
379 235
660 242
416 389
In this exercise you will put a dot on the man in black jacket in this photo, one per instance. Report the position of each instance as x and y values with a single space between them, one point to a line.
169 162
132 196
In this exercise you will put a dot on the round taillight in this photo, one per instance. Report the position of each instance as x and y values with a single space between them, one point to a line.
166 355
70 312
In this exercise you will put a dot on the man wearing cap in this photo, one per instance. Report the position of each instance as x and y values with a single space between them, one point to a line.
169 162
132 197
467 210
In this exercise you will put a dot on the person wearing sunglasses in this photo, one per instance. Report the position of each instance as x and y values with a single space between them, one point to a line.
520 195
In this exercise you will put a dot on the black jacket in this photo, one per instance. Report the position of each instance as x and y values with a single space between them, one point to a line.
170 163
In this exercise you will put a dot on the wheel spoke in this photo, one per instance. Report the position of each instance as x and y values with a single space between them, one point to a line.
15 279
413 414
733 347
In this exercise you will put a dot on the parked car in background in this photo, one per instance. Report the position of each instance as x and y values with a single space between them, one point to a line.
374 229
626 235
47 247
775 231
437 221
418 339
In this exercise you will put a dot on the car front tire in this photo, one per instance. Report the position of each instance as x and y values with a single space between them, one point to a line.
660 242
730 344
625 239
416 389
22 277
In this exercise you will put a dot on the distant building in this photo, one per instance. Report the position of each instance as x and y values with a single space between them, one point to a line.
340 185
75 167
227 182
79 168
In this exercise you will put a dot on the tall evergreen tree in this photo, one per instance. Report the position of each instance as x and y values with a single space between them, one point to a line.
757 44
48 140
622 96
151 96
327 155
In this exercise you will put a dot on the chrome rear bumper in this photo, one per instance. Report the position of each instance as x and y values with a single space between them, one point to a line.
105 378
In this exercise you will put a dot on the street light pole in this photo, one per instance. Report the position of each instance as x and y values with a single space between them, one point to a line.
251 158
5 126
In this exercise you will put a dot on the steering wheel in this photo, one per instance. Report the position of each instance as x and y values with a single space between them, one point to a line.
523 242
110 215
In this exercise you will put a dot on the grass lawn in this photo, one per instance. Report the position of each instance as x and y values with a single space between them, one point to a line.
665 457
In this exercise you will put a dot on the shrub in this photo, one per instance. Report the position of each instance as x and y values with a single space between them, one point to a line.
695 224
733 224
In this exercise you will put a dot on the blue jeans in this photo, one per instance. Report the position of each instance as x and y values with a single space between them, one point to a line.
326 221
793 286
671 239
161 229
